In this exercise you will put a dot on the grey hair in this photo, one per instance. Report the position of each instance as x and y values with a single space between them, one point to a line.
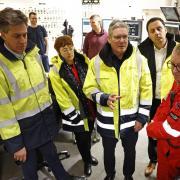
116 23
11 17
177 49
96 17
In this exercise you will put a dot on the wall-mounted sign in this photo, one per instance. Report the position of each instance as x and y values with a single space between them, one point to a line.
85 2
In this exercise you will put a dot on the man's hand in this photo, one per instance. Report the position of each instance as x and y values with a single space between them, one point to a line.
112 98
151 121
138 126
21 155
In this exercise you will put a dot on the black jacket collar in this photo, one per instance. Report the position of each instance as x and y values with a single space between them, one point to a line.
9 55
147 49
107 55
147 43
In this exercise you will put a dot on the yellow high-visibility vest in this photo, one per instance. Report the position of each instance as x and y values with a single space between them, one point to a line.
23 91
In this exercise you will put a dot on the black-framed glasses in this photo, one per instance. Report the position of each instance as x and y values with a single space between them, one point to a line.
171 65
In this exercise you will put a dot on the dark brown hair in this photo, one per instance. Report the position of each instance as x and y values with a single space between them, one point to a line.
11 17
32 13
152 20
62 41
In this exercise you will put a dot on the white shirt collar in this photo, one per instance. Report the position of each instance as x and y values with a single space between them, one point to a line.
165 47
19 56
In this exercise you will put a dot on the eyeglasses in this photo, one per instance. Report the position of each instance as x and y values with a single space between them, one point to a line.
66 50
171 65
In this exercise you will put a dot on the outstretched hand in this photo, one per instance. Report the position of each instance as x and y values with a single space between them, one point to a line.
111 99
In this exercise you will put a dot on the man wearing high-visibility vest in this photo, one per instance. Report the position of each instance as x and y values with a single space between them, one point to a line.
157 48
119 81
27 122
165 126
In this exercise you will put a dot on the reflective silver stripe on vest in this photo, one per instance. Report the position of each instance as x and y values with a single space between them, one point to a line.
73 117
69 110
98 97
4 101
39 60
95 91
170 130
54 68
97 68
70 123
139 62
105 126
146 102
10 76
15 86
104 113
6 123
29 92
127 125
144 111
111 126
33 112
128 111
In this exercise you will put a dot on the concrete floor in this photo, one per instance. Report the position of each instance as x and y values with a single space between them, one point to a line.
74 164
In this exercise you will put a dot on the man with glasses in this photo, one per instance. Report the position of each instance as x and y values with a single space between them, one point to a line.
119 81
165 126
157 48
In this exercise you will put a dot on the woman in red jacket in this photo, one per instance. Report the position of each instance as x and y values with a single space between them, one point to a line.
165 126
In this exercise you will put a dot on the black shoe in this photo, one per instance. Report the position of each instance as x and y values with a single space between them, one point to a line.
94 161
71 177
110 177
128 178
87 169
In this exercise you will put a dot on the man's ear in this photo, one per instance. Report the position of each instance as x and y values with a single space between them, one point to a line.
109 40
166 29
3 35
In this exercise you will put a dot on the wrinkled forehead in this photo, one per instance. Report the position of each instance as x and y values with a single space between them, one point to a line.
175 58
119 31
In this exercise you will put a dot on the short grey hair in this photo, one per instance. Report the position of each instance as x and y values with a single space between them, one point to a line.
116 23
11 17
96 17
177 49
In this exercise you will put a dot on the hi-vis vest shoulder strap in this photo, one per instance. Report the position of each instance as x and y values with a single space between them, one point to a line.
97 65
18 93
97 68
139 62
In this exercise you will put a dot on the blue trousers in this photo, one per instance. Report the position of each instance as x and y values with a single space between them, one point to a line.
45 62
128 140
49 154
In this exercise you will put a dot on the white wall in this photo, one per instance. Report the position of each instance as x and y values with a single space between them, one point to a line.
69 9
140 9
74 11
